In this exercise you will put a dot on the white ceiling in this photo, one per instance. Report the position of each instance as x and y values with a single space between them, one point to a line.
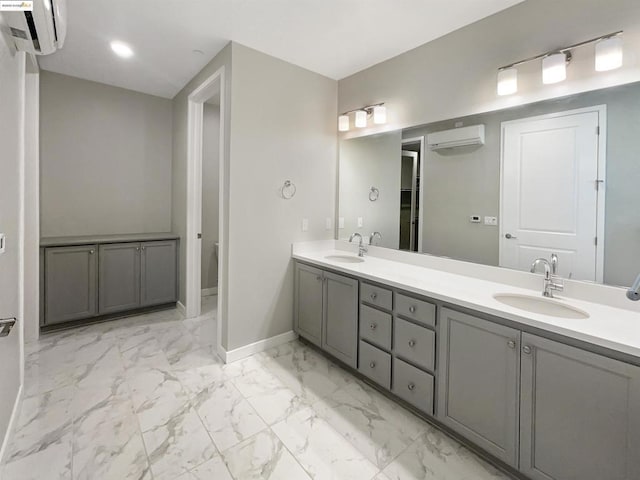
335 38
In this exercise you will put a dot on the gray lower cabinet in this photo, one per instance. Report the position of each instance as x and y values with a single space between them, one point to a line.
70 282
119 283
309 303
478 394
580 414
340 335
158 273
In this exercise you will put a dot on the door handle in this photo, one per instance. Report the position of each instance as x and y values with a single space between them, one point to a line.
508 236
6 324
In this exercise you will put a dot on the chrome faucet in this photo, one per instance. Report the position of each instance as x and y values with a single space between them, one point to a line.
373 236
633 293
551 282
362 249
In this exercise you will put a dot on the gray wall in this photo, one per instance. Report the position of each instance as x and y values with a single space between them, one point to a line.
366 162
463 182
105 159
12 78
283 127
210 192
455 75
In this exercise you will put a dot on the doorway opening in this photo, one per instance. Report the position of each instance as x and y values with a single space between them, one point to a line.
411 194
206 247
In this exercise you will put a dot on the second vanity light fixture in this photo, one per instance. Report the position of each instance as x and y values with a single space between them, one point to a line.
554 64
377 111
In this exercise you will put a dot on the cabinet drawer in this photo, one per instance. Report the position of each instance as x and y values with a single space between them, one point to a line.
380 297
375 364
414 343
375 326
413 385
418 310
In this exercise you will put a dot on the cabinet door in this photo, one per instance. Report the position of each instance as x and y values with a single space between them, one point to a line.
479 364
580 414
158 266
308 303
119 284
70 283
341 318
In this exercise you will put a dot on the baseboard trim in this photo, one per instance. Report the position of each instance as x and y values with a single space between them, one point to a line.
12 424
209 291
181 308
256 347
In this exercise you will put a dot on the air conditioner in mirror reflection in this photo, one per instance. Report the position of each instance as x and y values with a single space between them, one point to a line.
457 137
40 31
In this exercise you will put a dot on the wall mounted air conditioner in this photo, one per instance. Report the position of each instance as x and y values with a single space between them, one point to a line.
41 31
458 137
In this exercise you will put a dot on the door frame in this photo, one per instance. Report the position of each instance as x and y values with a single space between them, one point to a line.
193 293
421 157
601 185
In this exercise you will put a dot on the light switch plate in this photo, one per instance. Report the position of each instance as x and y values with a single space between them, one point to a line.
305 224
474 219
341 222
3 241
491 221
360 222
328 223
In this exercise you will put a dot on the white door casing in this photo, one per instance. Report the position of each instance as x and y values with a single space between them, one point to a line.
552 195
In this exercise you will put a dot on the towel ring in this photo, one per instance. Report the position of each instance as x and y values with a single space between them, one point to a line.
374 193
288 190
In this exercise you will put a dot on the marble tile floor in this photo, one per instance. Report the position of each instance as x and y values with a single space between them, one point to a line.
146 398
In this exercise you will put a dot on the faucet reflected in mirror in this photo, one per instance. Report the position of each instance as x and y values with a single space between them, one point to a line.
373 236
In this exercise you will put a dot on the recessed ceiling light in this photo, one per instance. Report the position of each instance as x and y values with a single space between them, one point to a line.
121 49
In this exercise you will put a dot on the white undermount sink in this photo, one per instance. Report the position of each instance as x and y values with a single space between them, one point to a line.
345 258
541 305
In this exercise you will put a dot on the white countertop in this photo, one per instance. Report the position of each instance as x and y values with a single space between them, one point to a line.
610 327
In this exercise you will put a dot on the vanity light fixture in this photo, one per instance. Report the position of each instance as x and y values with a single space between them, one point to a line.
554 63
378 112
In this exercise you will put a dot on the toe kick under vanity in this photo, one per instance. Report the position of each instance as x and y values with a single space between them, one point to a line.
544 398
96 277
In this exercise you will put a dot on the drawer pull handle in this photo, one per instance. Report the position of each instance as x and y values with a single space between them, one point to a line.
412 343
373 326
512 344
526 349
412 309
318 278
374 296
411 387
372 365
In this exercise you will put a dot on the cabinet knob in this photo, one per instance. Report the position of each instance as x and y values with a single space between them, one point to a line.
411 386
374 296
412 343
412 309
143 247
372 365
91 252
318 278
526 349
512 344
373 326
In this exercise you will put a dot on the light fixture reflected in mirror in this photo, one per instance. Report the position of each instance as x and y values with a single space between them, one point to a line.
554 68
609 54
343 123
507 81
377 111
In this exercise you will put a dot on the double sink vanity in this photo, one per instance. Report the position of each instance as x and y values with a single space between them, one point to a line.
545 388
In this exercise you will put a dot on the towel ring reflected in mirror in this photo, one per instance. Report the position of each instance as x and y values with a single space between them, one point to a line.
374 193
288 190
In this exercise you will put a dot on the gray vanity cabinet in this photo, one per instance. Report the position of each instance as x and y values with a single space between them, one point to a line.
479 382
70 280
158 273
119 277
580 414
309 303
340 336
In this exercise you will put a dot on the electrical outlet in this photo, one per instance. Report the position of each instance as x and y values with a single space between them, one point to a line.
491 221
305 224
328 223
360 222
341 222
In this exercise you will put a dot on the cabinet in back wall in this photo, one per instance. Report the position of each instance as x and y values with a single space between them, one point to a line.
86 281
